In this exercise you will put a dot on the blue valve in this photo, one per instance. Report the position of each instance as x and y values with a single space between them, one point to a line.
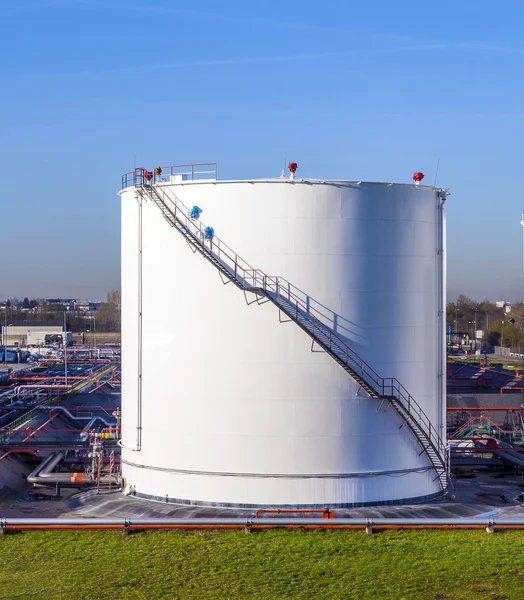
195 212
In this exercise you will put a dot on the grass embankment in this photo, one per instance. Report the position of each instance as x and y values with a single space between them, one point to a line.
501 363
266 564
100 338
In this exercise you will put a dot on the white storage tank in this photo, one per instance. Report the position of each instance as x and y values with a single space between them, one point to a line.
226 400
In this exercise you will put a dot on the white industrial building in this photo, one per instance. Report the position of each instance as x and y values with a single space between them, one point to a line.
234 401
33 333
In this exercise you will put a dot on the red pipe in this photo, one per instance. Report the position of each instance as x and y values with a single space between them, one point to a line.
39 378
21 451
29 429
44 446
477 449
476 408
324 511
53 416
325 525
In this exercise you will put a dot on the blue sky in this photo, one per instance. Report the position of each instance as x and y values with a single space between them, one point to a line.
370 90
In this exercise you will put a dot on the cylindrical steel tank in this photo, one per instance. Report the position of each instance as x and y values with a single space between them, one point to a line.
225 401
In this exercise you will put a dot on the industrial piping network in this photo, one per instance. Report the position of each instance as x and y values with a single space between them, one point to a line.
90 420
250 523
7 429
278 291
43 474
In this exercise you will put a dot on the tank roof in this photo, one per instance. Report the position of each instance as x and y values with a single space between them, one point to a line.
207 173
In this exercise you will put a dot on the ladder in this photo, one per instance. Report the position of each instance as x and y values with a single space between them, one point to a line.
285 297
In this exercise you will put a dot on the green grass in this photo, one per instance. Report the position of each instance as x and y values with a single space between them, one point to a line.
265 564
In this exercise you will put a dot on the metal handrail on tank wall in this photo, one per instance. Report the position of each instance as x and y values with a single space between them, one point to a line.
193 172
252 279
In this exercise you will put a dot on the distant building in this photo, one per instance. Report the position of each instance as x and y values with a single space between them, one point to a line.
505 305
60 303
69 304
85 306
34 333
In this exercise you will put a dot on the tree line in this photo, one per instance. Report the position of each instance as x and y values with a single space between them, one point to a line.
106 318
500 328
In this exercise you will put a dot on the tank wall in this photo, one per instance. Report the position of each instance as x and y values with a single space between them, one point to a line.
367 252
235 406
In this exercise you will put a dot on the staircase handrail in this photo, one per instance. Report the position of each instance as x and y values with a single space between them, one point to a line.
241 269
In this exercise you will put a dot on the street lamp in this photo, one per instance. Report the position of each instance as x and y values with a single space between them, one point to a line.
93 329
475 331
4 333
65 347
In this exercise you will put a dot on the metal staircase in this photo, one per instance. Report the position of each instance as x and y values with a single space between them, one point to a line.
297 307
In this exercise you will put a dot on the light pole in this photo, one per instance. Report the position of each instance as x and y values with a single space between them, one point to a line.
475 332
473 337
65 347
4 333
522 223
502 336
93 329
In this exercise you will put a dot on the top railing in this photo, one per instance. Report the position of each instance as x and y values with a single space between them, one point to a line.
305 307
170 174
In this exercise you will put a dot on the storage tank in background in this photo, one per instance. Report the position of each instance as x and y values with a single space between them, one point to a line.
228 401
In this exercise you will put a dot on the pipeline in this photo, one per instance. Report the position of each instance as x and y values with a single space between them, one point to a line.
42 387
88 426
33 476
71 416
250 524
85 432
43 474
20 451
35 431
511 456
